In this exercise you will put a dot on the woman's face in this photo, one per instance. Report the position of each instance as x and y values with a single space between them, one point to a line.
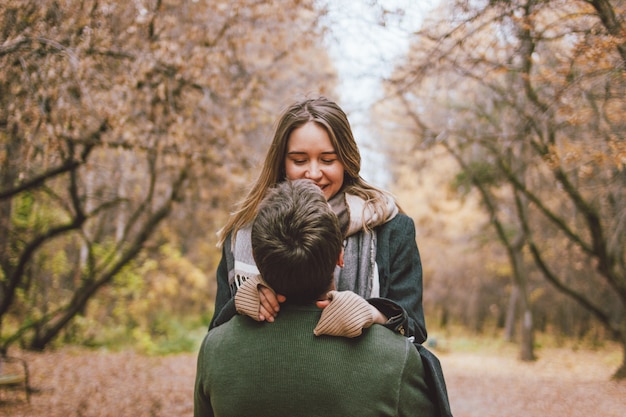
311 155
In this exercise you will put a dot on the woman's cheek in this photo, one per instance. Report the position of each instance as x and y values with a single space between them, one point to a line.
293 172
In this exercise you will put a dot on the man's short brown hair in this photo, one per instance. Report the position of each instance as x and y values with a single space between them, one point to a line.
296 241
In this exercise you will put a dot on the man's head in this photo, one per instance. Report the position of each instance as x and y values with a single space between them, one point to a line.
296 241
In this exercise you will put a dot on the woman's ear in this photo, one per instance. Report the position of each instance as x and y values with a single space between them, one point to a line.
340 260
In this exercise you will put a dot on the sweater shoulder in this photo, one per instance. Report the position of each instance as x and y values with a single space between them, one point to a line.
395 344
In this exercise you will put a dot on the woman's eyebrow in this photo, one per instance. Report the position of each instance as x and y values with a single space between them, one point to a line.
303 152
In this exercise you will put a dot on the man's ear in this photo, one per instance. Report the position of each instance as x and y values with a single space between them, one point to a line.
340 260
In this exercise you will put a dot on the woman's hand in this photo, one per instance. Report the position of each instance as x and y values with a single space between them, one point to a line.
257 300
269 304
379 318
346 314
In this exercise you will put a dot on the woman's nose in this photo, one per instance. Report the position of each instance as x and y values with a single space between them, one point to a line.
314 172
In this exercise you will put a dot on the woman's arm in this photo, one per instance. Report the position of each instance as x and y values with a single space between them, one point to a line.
224 308
400 273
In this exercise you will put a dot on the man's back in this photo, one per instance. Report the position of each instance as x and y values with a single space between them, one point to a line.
277 369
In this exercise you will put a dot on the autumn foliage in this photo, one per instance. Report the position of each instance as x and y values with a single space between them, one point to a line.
124 129
128 130
527 99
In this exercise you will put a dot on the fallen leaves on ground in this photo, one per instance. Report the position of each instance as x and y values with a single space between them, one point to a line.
561 383
86 383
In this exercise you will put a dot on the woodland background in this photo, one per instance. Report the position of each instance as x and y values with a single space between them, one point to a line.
129 129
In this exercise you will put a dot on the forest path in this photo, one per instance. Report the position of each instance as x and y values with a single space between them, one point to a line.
78 382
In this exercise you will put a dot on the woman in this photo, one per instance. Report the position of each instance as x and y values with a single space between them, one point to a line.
381 261
313 140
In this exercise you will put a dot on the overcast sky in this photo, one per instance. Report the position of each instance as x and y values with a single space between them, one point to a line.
364 51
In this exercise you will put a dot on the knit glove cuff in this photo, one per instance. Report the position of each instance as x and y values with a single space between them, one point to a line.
346 315
247 301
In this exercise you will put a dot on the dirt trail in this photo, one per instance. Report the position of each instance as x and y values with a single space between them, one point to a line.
560 383
75 382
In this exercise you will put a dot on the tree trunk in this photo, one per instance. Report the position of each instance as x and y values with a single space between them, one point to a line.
527 349
527 337
509 327
620 374
8 177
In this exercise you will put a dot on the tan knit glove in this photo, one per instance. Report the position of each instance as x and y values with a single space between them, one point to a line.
247 300
346 315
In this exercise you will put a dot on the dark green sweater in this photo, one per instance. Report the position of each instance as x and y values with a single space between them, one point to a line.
246 368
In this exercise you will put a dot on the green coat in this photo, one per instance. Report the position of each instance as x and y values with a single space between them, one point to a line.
246 368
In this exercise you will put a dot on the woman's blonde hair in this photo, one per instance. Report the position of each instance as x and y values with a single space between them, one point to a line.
328 115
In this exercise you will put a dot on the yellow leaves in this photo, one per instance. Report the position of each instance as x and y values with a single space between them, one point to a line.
578 116
571 152
163 285
614 110
552 157
618 149
58 264
499 268
536 294
171 283
588 158
143 341
585 172
560 156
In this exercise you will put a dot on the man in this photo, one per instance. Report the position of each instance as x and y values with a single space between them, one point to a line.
250 368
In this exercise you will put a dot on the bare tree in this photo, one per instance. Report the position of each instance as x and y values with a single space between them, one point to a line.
532 92
112 115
